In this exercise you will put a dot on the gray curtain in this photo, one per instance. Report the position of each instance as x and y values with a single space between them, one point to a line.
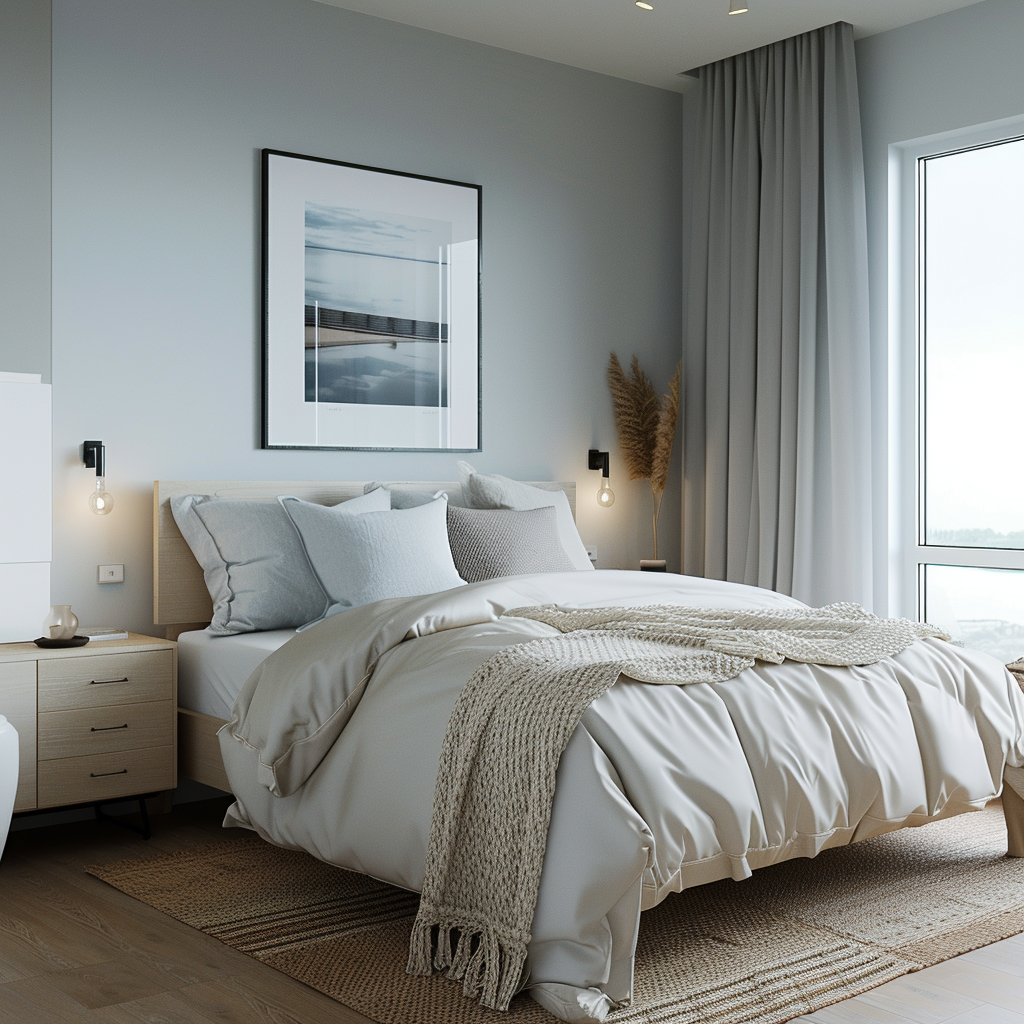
777 475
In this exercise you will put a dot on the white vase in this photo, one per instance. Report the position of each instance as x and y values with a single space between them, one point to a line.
61 623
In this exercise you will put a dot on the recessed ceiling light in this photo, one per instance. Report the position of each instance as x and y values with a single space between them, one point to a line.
738 7
643 6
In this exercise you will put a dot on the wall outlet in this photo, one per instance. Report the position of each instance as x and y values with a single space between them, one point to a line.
592 555
110 573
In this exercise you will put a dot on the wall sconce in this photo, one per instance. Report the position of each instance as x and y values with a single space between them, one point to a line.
599 460
94 455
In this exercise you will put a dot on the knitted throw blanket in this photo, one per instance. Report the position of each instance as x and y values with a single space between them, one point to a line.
496 780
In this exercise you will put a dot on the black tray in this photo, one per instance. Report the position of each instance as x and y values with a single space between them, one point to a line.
75 641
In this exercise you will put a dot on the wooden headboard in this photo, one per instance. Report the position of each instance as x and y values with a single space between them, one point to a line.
179 591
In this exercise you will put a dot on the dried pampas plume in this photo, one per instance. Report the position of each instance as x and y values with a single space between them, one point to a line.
666 433
646 425
636 416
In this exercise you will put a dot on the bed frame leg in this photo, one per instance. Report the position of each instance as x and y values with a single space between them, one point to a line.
1013 809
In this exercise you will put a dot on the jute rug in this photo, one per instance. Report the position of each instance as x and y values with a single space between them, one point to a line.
792 939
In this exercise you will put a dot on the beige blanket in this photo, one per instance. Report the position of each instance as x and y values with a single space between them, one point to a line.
496 782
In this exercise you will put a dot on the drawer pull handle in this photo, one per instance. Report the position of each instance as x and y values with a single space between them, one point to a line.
100 775
100 682
107 728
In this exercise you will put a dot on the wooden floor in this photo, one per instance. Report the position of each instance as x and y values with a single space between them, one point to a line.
73 949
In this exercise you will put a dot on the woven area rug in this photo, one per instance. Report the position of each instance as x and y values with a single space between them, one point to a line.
793 938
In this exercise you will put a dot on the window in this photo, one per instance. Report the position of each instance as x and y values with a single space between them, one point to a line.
961 556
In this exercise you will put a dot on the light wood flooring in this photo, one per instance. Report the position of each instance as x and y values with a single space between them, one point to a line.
74 950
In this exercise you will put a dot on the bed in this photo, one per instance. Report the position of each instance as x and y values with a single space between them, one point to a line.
659 788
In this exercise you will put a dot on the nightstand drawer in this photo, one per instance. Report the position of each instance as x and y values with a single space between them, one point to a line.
94 777
104 730
88 682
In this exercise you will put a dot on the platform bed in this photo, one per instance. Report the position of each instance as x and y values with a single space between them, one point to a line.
762 763
181 602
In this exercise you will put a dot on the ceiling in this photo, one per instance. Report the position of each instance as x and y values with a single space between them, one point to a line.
614 37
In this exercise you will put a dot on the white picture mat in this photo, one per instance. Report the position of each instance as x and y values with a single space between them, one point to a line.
291 421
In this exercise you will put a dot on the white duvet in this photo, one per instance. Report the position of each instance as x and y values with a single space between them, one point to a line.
334 741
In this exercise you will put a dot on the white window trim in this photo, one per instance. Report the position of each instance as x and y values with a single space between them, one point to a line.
906 552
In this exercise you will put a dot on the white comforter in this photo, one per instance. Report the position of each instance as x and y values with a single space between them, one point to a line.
334 741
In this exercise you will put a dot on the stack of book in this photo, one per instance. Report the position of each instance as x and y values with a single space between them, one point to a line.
98 633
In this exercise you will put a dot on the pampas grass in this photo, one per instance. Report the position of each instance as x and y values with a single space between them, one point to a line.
646 425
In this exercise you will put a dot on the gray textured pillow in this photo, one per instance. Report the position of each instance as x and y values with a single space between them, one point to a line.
503 542
361 559
253 563
490 490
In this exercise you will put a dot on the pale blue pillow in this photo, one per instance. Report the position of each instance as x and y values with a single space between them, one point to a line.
366 558
255 568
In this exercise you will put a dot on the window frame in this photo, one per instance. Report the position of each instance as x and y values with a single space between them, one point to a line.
908 554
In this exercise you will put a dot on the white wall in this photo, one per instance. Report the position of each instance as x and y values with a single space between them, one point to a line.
953 71
159 114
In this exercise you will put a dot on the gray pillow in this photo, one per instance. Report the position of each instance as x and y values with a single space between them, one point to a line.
483 490
503 542
253 563
366 558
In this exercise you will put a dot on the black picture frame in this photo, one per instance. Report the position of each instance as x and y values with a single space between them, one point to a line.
370 341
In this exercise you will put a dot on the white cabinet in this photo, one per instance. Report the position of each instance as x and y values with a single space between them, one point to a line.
25 507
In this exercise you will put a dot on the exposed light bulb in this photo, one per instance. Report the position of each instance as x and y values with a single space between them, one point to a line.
605 494
100 501
643 6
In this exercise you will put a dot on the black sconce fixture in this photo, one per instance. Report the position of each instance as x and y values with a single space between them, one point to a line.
94 455
599 460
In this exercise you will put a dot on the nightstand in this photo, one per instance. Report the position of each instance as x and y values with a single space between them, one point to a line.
95 723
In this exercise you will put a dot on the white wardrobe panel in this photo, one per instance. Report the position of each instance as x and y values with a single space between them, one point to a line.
25 473
24 599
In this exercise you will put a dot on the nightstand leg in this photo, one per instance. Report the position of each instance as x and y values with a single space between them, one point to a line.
1013 809
146 832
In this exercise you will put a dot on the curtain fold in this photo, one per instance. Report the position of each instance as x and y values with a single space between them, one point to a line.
777 475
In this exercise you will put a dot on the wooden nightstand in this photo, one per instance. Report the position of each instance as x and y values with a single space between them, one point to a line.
95 723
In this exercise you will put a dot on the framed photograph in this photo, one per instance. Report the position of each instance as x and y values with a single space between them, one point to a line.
371 308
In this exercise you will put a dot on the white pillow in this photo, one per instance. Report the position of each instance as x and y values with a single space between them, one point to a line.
366 558
493 491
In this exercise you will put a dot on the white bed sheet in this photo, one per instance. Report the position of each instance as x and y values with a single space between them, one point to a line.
212 669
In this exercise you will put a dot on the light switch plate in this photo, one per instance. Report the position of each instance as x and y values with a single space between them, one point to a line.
110 573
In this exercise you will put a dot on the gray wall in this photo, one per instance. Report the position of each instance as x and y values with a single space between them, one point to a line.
159 113
25 186
953 71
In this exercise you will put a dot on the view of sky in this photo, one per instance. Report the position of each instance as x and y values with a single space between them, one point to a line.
973 330
372 262
974 337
